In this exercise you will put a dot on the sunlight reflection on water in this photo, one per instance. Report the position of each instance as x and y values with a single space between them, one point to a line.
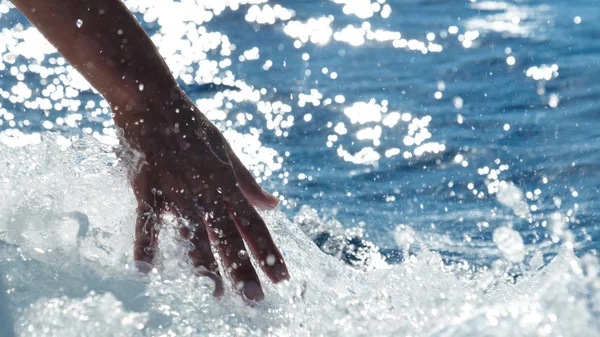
386 116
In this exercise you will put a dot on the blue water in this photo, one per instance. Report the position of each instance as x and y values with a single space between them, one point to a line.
519 96
558 143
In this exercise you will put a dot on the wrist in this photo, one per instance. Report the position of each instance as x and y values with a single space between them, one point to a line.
157 110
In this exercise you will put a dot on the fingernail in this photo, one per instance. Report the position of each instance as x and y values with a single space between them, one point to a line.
274 199
252 291
268 200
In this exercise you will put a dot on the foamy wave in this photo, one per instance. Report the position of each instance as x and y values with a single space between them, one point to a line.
66 227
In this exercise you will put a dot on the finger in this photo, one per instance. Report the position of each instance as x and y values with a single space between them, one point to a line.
253 192
225 237
201 254
257 236
149 210
146 237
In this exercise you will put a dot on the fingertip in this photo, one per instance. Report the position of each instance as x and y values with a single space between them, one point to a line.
252 291
219 290
261 199
143 256
143 266
271 200
279 272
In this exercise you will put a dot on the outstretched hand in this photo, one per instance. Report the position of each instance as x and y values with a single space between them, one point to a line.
188 169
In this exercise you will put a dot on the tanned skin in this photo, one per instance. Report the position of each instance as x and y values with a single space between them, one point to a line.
187 166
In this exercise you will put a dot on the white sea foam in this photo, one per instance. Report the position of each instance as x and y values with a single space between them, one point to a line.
511 196
510 243
66 223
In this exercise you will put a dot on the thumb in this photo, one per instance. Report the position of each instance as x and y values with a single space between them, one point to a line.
253 192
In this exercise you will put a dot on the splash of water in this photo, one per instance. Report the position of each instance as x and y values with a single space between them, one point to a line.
65 240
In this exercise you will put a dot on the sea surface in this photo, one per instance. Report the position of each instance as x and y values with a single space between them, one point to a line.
438 165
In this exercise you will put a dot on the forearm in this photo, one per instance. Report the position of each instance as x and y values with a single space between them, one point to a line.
105 43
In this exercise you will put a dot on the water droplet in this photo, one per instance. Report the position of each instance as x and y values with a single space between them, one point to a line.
141 87
79 23
510 244
242 254
149 251
270 260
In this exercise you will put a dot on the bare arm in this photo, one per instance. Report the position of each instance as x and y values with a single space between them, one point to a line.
188 168
105 43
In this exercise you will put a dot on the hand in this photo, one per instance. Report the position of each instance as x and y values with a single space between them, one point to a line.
189 169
